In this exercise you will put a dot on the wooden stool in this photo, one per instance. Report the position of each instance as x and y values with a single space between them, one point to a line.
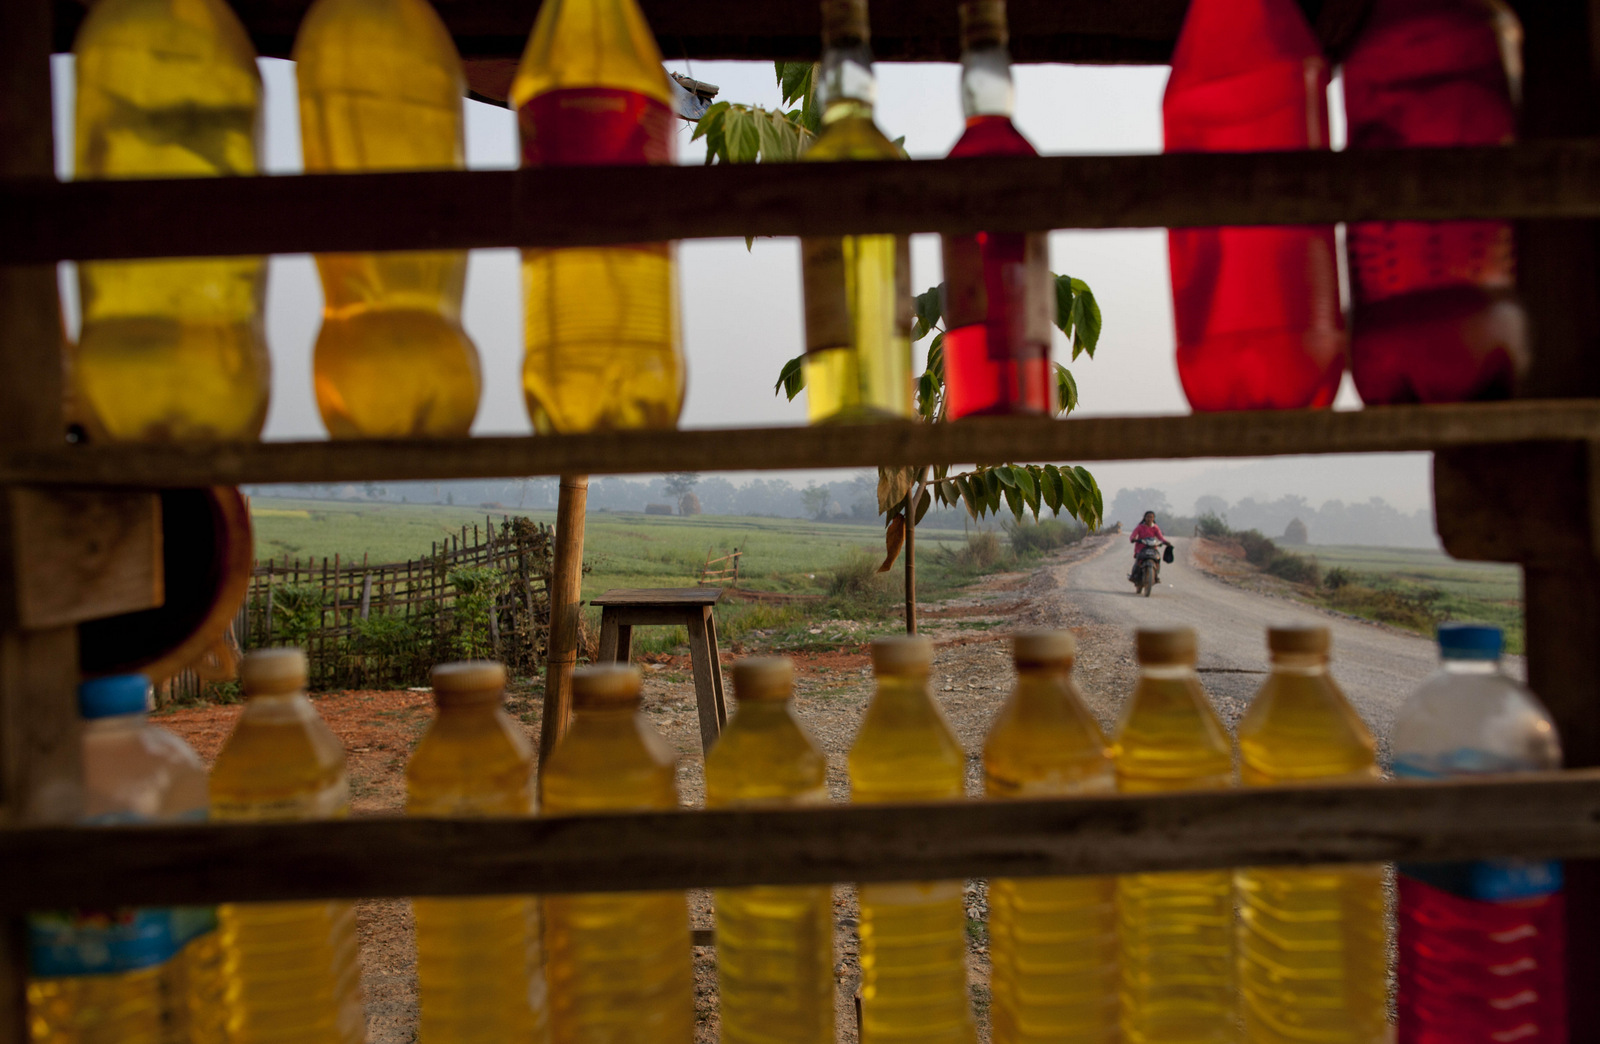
623 610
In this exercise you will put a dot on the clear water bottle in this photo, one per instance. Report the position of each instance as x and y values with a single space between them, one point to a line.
1481 943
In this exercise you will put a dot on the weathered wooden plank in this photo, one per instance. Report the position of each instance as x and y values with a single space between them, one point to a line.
83 554
1547 815
658 596
43 220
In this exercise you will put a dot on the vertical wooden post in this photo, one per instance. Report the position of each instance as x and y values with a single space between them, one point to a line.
566 593
911 562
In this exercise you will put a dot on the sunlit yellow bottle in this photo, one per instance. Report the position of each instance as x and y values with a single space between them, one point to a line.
169 349
1052 941
381 88
857 288
617 964
1313 965
292 970
479 979
1175 929
774 944
913 934
603 348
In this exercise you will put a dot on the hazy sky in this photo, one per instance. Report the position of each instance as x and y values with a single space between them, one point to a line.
741 309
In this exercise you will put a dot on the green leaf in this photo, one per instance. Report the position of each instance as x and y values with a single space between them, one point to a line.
900 144
941 472
1085 319
930 310
1050 487
1029 489
1064 297
923 503
1014 501
743 136
969 494
1007 476
995 489
1066 391
927 396
712 117
795 79
936 357
792 378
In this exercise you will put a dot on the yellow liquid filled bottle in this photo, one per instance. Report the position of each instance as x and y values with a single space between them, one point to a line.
603 348
478 966
381 88
1052 941
617 964
292 969
913 934
1175 929
169 349
774 945
1313 964
857 288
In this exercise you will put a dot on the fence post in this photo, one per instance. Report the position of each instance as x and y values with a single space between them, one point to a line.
566 592
366 594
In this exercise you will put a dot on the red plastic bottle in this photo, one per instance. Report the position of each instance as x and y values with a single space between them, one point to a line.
998 298
1434 317
1257 309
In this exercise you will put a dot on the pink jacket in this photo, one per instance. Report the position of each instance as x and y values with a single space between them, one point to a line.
1141 531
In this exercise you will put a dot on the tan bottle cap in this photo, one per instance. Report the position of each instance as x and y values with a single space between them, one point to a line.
1299 638
909 652
983 24
605 685
1165 645
468 681
1043 646
844 22
274 672
763 679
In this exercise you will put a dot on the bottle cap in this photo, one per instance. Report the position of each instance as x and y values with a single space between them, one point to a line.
1299 638
469 681
1463 641
1043 647
603 685
274 672
763 679
1156 646
111 696
844 22
902 654
983 24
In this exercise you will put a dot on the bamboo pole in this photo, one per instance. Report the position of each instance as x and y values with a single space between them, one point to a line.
566 591
911 561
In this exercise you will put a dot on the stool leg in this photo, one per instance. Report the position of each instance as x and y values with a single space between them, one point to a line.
716 667
624 642
608 635
705 691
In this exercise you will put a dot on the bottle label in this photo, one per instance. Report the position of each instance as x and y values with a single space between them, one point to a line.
595 126
1018 304
827 299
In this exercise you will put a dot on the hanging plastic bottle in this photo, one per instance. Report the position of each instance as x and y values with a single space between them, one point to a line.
169 349
1175 929
998 297
603 348
293 975
617 964
1257 309
1482 944
1052 941
146 975
1434 315
857 288
774 944
381 88
1313 963
913 934
479 974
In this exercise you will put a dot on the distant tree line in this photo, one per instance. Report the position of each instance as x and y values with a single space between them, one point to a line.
1374 522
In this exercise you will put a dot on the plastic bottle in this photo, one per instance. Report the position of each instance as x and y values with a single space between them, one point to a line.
292 968
381 88
603 347
857 288
1175 929
1052 941
1312 958
478 960
169 349
774 944
618 964
1434 315
1482 944
1257 309
913 934
998 297
131 975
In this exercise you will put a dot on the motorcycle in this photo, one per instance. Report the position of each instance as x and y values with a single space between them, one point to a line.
1147 565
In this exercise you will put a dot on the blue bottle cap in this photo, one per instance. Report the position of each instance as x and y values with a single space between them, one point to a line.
1461 641
113 695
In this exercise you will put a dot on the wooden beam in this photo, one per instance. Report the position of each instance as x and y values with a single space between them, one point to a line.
83 554
42 220
1548 815
566 619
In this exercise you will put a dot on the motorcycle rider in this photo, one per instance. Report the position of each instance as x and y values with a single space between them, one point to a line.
1146 529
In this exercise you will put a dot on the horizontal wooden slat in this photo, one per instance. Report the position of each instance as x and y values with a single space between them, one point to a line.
50 221
1545 816
976 440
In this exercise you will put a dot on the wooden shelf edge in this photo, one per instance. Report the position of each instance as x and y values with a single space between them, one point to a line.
980 441
1551 815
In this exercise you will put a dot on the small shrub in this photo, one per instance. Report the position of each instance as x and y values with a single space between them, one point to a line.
1297 569
1044 536
1295 533
1258 550
1213 526
1338 577
856 575
296 612
981 551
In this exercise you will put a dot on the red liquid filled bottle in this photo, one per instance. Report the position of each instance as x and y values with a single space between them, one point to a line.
1434 317
1257 309
998 298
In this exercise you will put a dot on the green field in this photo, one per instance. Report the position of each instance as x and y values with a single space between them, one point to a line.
1485 592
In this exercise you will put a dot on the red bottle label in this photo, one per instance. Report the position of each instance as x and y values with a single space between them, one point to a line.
595 126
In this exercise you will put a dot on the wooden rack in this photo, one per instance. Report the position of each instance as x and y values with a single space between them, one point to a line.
1515 481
